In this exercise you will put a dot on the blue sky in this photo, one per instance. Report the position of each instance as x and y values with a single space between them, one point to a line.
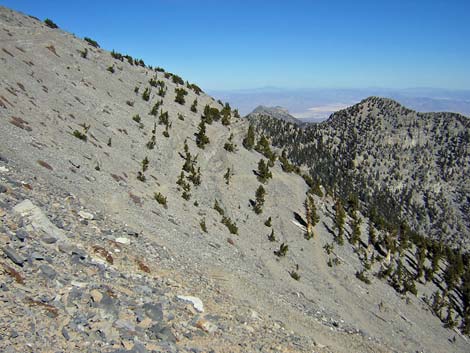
229 44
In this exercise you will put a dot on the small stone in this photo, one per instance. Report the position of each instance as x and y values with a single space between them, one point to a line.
65 333
49 240
124 324
48 271
154 311
36 256
3 169
86 215
14 256
21 234
96 296
161 332
123 240
3 189
197 303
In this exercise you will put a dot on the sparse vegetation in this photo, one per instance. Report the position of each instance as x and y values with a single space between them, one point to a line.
228 176
203 225
268 222
49 23
249 140
295 275
271 236
162 200
201 138
361 275
263 172
92 42
180 93
283 248
219 209
339 222
311 216
231 225
194 106
260 193
146 94
229 145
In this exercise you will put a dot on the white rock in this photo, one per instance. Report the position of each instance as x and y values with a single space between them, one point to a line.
197 303
85 215
123 240
3 169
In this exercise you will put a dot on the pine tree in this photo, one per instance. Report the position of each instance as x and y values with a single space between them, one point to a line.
271 236
249 140
311 216
339 221
194 106
201 138
226 114
260 193
263 171
420 256
356 228
268 222
285 164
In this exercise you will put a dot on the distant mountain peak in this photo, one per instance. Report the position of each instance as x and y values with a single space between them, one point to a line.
276 112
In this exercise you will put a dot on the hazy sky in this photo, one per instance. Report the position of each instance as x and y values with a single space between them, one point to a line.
228 44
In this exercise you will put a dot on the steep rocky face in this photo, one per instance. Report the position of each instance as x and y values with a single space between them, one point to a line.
275 112
411 167
127 200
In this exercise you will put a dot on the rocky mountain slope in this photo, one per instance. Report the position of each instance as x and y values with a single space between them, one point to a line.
275 112
409 166
133 219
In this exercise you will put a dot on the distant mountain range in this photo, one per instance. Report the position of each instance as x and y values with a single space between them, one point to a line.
318 104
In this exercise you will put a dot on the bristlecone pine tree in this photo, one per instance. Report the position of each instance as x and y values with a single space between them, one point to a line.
249 140
263 171
260 193
201 138
339 221
311 216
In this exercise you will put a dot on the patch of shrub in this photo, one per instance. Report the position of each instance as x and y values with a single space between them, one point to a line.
79 135
180 93
49 23
146 94
295 275
178 80
218 208
231 226
162 200
283 248
92 42
203 225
